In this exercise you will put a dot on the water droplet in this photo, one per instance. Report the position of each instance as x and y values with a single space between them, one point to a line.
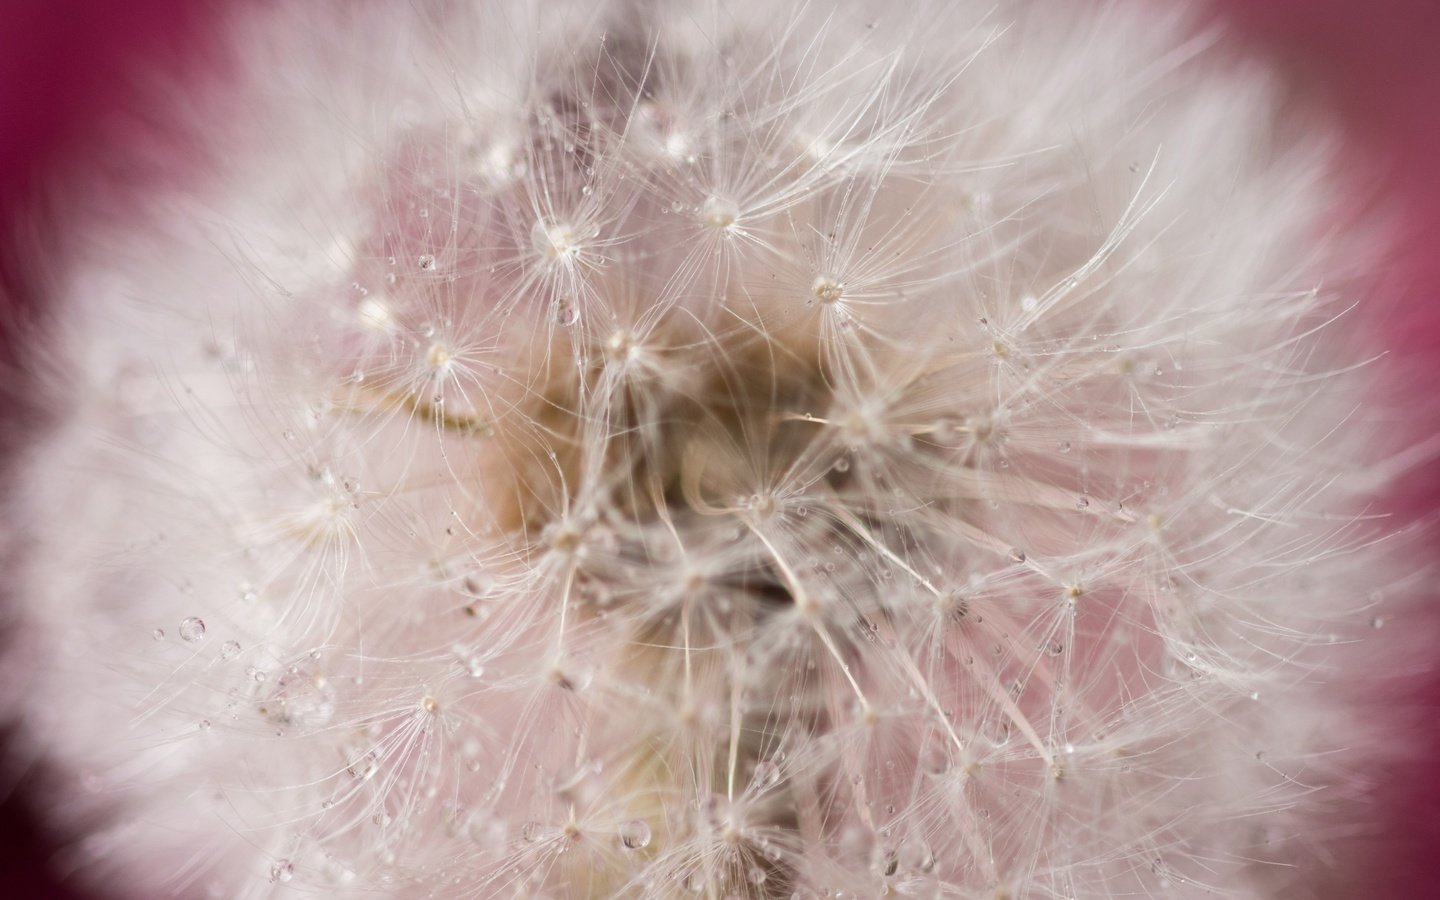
477 584
935 759
1063 446
566 313
192 628
1017 555
917 857
694 882
888 864
301 699
1082 503
158 634
530 832
229 649
426 262
204 724
282 871
363 766
635 834
767 773
1377 622
842 465
573 680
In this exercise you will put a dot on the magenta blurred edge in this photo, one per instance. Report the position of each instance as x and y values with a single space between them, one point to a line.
66 68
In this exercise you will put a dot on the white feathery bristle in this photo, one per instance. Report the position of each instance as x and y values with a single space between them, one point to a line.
711 449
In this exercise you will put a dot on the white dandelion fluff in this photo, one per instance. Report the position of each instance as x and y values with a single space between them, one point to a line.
689 449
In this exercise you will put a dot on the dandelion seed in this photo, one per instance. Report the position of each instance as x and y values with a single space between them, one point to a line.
620 346
554 240
826 290
635 834
719 214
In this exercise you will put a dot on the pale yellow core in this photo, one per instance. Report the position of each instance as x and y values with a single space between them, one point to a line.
826 290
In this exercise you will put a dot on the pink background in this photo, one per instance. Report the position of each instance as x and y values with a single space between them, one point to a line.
1377 62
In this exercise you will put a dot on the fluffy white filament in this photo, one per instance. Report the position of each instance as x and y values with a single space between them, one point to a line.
707 449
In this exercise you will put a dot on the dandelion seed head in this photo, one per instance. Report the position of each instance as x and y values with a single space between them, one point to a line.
755 454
